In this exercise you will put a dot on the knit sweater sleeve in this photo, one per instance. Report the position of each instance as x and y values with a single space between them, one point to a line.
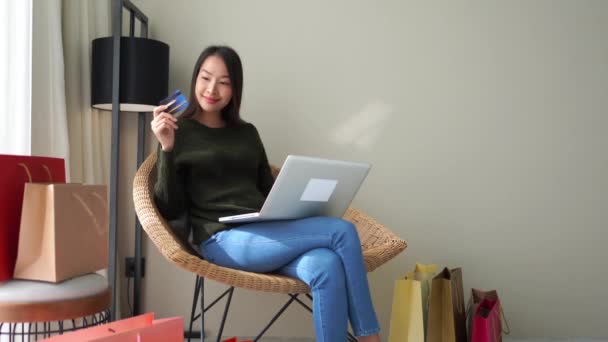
265 178
169 188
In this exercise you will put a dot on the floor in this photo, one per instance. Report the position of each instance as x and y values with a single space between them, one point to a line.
555 340
276 339
506 339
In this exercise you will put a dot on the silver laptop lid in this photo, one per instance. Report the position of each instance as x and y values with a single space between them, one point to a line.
308 186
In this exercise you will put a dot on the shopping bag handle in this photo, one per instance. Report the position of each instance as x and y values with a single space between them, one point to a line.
470 314
98 228
504 319
48 172
29 174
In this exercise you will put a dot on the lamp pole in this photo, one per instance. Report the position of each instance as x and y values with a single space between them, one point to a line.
141 141
114 150
116 34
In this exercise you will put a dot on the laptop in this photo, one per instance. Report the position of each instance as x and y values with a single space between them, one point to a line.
307 187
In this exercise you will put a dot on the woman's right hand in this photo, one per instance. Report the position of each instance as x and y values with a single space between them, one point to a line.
164 126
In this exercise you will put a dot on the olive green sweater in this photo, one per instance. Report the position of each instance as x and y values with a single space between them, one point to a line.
210 173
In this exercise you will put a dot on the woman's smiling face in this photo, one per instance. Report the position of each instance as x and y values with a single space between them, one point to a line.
213 85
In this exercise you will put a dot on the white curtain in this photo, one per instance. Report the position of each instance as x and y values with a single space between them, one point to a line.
15 76
49 119
89 128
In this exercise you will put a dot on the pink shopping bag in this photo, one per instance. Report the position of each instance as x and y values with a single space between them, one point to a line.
486 322
143 328
488 318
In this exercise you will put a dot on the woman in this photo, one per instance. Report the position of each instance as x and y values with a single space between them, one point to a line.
213 164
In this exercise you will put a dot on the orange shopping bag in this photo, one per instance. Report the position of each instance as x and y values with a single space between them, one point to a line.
63 231
15 171
143 328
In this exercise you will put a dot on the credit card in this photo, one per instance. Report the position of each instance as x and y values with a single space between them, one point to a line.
177 102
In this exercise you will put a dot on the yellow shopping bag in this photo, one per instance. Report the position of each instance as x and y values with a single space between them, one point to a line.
410 294
425 274
447 314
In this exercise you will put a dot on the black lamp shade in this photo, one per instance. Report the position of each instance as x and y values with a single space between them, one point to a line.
144 73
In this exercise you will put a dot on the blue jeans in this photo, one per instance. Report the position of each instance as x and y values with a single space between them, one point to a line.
323 252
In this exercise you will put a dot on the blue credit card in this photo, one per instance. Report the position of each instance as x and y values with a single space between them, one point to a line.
177 102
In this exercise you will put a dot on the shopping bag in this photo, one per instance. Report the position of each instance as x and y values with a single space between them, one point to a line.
14 173
63 232
234 339
487 321
409 301
424 273
143 328
447 314
406 316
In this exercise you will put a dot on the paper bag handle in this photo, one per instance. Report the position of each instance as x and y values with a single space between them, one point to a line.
98 227
470 314
29 174
504 319
48 172
501 316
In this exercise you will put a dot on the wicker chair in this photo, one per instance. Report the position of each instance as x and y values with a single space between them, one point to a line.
379 246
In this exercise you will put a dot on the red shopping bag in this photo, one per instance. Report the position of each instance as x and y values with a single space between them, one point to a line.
15 171
143 328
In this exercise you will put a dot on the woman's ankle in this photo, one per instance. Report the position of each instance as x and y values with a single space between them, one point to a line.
372 338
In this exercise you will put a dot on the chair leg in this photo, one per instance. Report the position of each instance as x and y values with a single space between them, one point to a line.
199 290
278 314
194 302
301 302
202 284
214 302
219 335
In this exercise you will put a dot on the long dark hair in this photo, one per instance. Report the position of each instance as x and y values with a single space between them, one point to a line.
230 113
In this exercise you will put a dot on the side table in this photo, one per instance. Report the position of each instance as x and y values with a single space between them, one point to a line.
32 309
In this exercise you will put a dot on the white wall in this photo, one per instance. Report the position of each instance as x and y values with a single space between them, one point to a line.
484 122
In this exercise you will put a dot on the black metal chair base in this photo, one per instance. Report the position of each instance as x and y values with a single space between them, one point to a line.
199 290
18 332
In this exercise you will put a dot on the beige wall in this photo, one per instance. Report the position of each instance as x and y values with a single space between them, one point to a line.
484 122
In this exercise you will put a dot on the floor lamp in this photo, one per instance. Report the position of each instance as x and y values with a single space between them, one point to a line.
128 74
